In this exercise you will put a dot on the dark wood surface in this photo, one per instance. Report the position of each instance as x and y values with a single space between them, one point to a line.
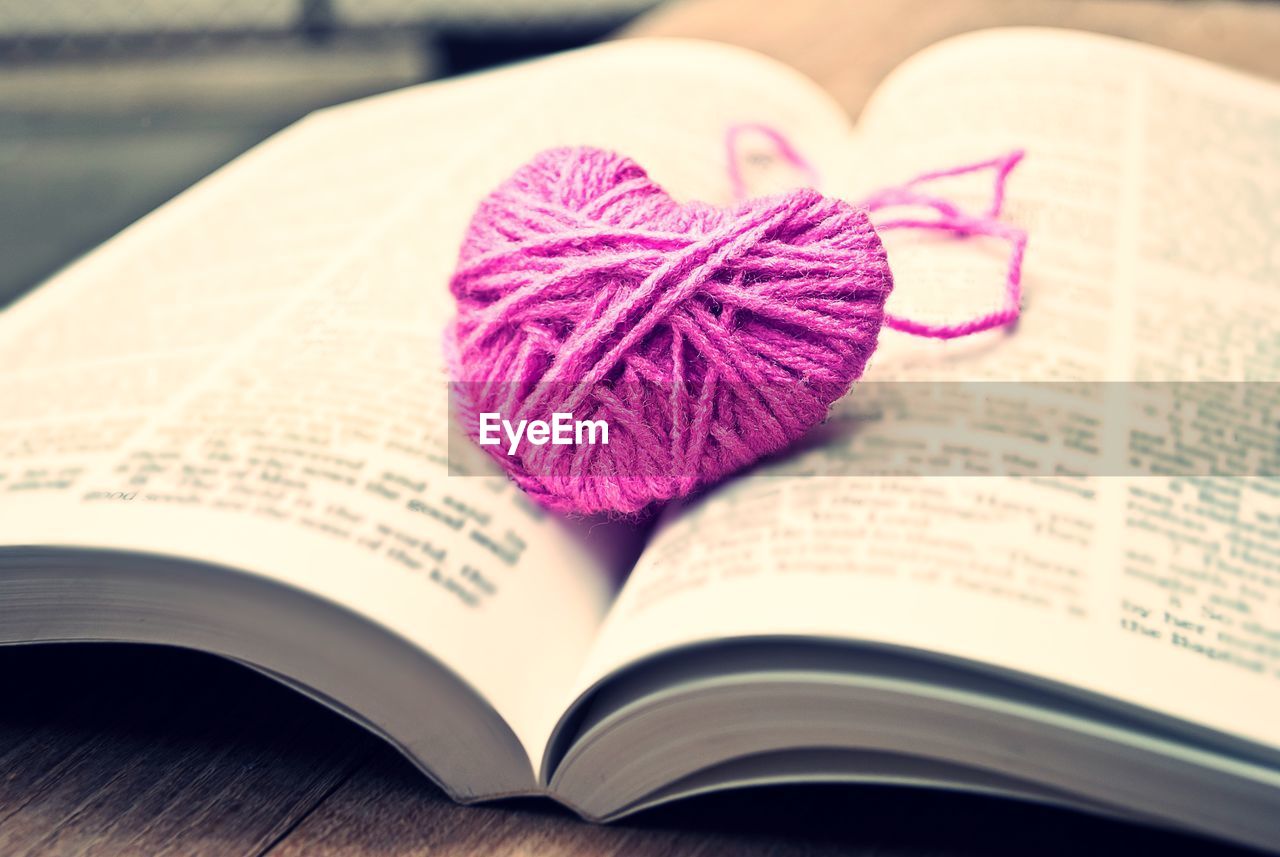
108 750
111 749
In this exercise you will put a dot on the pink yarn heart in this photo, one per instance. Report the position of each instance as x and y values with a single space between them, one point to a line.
705 337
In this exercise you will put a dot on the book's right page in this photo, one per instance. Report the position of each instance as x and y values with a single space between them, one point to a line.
1151 192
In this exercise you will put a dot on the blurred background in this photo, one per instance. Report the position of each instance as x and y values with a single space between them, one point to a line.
110 107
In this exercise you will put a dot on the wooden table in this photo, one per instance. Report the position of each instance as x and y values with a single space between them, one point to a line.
128 750
142 751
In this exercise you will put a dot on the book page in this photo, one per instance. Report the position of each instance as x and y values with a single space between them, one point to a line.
252 375
1151 192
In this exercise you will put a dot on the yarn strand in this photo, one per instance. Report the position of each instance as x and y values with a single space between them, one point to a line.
789 153
949 218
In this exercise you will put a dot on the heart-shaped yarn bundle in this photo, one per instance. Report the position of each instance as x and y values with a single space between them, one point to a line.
704 337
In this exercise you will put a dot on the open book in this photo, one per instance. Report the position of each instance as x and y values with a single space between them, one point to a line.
226 430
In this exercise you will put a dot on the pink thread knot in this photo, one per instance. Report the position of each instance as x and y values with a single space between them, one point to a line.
705 337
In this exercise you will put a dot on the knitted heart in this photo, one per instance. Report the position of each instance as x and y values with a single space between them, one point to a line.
704 337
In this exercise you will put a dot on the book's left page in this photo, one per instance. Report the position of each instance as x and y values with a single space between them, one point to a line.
251 377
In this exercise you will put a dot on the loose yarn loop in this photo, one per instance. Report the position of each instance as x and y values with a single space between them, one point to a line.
950 218
705 337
